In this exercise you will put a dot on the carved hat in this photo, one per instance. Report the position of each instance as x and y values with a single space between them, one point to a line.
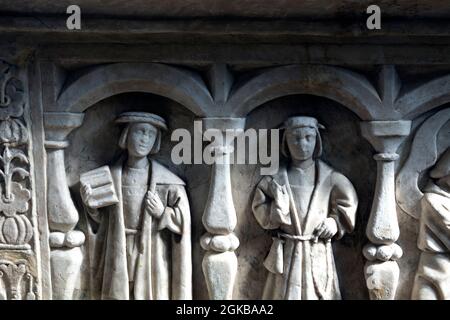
442 167
302 122
142 117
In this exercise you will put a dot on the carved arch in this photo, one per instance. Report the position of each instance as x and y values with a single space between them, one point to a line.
105 81
346 87
425 97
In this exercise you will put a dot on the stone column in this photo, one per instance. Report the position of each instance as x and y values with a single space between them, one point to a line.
220 262
65 242
381 270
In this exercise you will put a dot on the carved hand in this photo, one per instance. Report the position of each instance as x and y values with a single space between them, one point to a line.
86 192
154 205
280 196
327 229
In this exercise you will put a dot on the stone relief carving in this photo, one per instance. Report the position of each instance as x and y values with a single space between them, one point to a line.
433 274
139 242
307 205
17 256
422 156
104 194
15 227
430 207
16 282
66 256
381 269
220 263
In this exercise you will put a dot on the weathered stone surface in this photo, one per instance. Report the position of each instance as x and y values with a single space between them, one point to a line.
67 168
308 203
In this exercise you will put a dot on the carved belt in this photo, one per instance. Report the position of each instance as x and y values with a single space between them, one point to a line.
306 237
132 231
275 264
274 260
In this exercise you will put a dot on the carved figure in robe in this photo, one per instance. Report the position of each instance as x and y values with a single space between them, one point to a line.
307 205
432 281
140 241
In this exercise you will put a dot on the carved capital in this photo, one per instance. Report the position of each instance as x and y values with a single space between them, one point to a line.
58 125
223 124
385 136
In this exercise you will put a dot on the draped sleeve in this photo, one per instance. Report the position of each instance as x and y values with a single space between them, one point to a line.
177 207
434 234
265 210
343 204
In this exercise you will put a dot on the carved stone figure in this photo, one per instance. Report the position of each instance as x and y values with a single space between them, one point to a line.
433 274
139 220
307 204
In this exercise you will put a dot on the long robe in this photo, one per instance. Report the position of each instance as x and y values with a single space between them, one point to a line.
303 268
164 265
432 279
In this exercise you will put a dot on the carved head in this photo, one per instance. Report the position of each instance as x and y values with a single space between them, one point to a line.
441 170
301 138
142 135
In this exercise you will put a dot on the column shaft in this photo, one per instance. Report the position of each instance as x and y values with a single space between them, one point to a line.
381 270
220 262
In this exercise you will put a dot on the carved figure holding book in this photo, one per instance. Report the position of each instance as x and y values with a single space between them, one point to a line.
139 220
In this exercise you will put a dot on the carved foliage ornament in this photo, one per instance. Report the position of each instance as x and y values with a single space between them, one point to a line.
11 94
16 282
15 226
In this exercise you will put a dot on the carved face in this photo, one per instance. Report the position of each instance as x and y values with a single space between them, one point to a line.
141 138
301 142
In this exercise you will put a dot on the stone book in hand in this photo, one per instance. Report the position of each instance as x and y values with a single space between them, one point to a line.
100 181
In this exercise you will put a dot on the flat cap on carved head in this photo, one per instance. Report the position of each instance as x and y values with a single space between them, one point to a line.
142 117
442 167
301 122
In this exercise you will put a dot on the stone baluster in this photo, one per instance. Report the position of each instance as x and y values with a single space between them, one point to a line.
65 242
219 218
381 270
